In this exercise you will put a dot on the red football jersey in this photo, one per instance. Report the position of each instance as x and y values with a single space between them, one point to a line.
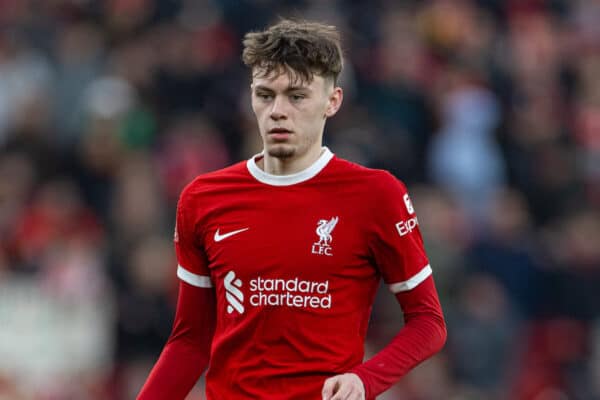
296 261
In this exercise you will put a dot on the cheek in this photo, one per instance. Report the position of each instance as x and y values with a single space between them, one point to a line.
255 108
258 111
323 109
316 110
320 112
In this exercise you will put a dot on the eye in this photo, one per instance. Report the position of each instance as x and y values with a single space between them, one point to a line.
297 97
264 96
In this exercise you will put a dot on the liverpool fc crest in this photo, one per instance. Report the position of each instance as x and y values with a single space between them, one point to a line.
324 229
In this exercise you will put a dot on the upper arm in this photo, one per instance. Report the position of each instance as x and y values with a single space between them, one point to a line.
195 316
396 243
196 303
192 265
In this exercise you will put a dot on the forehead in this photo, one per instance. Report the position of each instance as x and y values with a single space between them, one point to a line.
283 80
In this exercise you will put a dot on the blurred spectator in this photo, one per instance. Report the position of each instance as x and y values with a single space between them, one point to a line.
573 251
505 250
55 219
587 123
146 306
393 95
138 205
80 59
56 318
25 75
483 331
17 179
464 157
192 145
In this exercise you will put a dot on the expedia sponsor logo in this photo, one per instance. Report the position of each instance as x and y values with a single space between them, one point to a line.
406 227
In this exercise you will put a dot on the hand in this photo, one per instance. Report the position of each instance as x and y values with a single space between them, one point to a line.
344 387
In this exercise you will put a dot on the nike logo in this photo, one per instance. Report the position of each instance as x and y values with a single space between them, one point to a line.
219 237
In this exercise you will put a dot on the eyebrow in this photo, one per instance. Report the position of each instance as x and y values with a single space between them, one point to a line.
289 89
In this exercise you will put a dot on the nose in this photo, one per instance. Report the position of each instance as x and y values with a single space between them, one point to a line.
278 109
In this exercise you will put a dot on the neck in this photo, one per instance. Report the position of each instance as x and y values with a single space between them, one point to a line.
286 166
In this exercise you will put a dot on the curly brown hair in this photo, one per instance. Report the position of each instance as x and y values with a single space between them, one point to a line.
299 48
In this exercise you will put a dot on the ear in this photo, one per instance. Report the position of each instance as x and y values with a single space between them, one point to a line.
334 102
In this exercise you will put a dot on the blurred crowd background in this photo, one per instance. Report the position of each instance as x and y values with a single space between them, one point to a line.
489 110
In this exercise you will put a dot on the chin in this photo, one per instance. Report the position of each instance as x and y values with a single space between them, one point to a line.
281 151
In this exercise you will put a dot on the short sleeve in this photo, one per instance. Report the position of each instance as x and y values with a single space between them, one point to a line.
397 244
192 264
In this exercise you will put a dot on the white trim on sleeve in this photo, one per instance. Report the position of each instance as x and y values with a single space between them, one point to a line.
193 279
412 282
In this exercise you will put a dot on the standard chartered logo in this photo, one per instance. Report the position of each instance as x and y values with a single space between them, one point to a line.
277 292
233 294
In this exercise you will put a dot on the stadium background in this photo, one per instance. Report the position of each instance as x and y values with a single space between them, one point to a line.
489 110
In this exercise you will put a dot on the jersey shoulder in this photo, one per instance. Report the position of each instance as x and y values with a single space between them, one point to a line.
215 182
371 179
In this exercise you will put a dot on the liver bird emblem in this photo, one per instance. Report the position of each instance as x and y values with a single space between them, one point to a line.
324 229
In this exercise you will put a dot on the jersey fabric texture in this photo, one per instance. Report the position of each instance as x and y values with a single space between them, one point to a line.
293 263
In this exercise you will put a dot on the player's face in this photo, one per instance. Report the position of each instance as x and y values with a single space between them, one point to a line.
291 114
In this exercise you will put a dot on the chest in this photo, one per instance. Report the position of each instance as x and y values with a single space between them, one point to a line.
286 235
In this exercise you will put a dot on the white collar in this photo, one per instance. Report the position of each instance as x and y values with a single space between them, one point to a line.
291 179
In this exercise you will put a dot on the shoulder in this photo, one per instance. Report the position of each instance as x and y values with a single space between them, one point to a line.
215 181
373 180
386 196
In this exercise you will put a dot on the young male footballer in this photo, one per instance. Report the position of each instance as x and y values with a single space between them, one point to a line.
280 256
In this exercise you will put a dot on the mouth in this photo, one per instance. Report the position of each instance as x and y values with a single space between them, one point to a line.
279 133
